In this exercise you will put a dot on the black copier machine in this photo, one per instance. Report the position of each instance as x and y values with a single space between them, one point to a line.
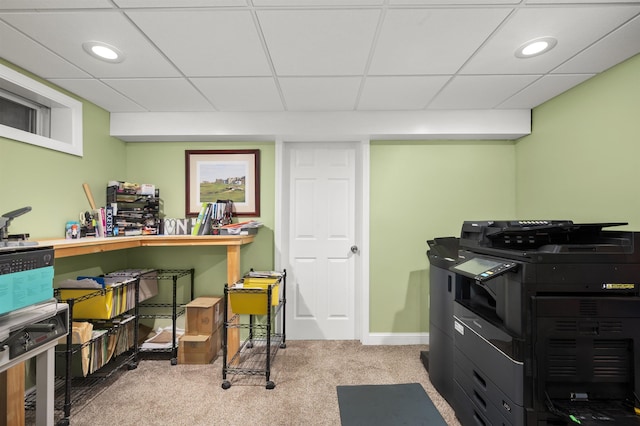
545 325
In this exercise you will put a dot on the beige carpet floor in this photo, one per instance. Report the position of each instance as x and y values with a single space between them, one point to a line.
305 373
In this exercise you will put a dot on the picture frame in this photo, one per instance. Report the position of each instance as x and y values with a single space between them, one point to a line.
223 174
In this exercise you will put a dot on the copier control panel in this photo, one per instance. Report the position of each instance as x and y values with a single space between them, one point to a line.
483 269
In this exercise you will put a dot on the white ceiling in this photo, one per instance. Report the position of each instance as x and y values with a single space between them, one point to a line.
317 55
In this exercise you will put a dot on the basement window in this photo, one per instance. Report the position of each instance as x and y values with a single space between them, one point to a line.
34 113
24 114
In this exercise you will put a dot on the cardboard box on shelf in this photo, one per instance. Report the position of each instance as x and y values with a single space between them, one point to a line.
204 315
216 340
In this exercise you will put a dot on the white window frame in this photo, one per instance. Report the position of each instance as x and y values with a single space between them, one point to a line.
66 114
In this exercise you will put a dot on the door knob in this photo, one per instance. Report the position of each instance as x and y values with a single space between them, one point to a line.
354 249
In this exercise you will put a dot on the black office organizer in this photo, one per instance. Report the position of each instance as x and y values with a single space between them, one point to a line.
135 214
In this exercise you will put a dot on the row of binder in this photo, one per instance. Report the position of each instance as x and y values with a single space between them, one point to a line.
94 345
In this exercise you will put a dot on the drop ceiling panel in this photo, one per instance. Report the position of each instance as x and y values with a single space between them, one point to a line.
179 3
399 93
613 49
57 4
556 2
241 94
206 42
317 55
142 59
299 3
100 94
431 41
451 2
319 42
543 89
480 92
162 94
26 53
564 23
320 93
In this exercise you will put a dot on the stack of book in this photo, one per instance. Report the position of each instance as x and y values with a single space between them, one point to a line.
212 215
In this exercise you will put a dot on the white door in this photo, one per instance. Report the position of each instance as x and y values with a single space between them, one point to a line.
321 265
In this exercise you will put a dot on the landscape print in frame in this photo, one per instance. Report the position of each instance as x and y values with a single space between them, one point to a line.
213 175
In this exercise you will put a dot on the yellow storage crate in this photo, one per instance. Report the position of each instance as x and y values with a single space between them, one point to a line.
250 295
108 303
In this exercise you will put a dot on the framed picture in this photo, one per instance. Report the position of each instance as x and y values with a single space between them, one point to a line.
213 175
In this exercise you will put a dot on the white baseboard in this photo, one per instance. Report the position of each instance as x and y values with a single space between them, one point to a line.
396 339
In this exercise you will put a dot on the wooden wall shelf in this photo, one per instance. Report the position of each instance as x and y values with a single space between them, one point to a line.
67 248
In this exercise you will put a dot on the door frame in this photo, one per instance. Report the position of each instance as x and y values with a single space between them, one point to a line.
282 212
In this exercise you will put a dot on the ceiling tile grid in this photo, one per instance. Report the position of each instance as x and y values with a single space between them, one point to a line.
480 92
612 49
432 41
566 24
162 94
320 93
64 33
319 42
100 93
240 94
32 56
206 43
400 93
317 55
542 89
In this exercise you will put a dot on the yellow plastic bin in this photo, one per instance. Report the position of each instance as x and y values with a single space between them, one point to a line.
108 302
249 296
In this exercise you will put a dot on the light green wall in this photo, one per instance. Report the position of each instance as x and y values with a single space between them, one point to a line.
419 191
163 164
581 161
51 182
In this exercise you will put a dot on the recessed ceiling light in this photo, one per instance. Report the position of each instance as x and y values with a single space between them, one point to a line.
103 51
536 47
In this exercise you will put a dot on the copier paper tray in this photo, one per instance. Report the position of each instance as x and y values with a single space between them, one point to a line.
596 413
